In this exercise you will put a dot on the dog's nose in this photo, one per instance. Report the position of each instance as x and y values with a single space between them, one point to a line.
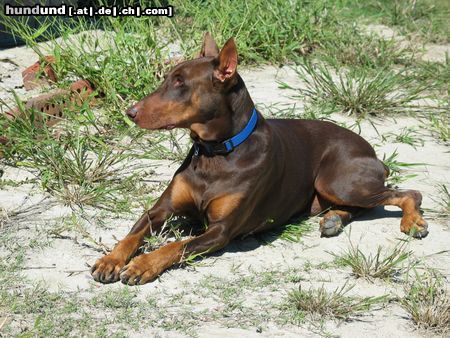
132 112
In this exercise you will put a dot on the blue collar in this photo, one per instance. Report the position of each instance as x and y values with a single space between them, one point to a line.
222 148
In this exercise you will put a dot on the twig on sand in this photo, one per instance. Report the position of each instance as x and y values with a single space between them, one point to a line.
25 212
38 267
3 322
75 272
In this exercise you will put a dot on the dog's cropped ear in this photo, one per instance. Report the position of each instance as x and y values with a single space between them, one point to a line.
227 61
209 46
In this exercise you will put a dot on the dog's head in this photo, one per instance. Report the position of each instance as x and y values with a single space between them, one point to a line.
193 92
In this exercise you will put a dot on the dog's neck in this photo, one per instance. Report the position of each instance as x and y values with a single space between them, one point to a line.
231 121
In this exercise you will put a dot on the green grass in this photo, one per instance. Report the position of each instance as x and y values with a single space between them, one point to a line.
398 170
172 229
352 47
436 75
426 19
427 301
32 310
442 209
123 298
123 62
296 231
406 135
388 264
85 160
439 124
280 32
78 167
359 92
445 198
320 303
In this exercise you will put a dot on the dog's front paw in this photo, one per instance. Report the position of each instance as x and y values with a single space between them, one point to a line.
107 269
141 270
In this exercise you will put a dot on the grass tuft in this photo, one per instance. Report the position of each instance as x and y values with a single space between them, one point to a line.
426 18
335 305
407 135
296 231
359 92
172 229
75 162
384 264
397 169
439 125
428 302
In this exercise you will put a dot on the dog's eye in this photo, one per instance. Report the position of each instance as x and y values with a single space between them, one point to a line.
178 81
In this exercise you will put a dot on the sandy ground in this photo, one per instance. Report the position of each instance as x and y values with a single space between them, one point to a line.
61 265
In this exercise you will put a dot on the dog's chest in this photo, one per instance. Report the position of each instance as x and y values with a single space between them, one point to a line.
211 178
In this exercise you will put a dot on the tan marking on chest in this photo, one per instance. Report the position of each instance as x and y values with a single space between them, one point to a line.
223 206
181 193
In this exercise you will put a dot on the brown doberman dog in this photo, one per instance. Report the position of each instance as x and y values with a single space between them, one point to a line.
246 174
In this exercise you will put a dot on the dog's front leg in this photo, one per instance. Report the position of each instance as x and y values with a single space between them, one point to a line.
223 217
147 267
107 269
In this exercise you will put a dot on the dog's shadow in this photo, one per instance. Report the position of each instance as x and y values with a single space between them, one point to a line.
254 241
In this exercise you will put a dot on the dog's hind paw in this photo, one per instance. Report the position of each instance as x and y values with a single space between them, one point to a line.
416 227
330 226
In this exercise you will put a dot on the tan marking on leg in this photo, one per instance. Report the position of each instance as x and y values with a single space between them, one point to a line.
147 267
128 246
223 206
318 205
106 269
333 221
181 193
409 203
345 216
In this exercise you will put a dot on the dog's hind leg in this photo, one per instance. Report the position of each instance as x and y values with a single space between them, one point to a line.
359 182
409 201
335 220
